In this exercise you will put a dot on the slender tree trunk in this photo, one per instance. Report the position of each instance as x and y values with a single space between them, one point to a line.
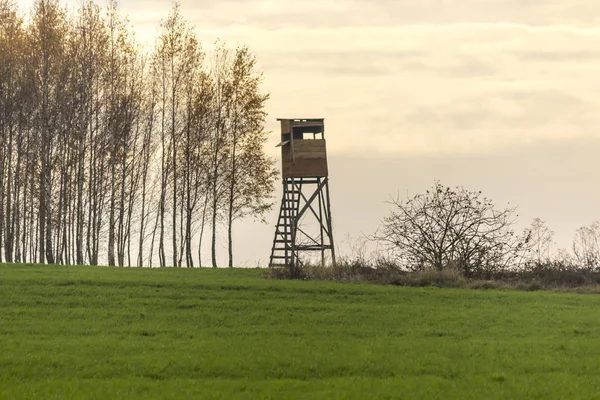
161 238
2 188
214 220
202 225
111 218
174 165
121 239
79 199
8 238
17 199
232 184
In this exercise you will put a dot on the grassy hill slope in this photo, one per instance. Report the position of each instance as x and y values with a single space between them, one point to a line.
98 333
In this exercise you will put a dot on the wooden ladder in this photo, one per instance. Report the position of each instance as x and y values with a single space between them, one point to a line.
283 252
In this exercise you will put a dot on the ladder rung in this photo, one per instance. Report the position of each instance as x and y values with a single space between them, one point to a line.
280 257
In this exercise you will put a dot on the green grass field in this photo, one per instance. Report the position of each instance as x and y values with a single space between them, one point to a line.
108 333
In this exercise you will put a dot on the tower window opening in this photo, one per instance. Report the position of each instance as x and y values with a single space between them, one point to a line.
312 135
308 132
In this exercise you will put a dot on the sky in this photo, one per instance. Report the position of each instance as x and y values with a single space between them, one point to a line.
493 95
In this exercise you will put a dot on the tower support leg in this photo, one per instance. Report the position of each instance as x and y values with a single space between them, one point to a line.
304 200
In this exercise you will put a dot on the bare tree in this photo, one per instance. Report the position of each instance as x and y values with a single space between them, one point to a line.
451 227
539 240
586 246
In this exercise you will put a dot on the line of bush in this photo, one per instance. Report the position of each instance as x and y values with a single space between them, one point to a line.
552 275
454 237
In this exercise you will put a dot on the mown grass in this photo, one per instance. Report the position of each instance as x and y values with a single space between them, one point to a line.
99 333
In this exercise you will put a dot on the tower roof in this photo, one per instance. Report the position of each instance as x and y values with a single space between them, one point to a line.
302 119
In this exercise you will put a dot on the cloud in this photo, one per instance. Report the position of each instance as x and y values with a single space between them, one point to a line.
561 56
405 77
466 88
311 14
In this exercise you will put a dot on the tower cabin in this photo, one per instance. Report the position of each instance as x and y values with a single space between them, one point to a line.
303 152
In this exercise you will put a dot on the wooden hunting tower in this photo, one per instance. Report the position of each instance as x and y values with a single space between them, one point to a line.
305 204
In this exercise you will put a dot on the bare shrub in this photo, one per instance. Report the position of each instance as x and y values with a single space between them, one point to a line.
448 277
451 227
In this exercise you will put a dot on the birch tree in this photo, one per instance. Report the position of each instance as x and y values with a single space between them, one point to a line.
47 31
177 60
110 152
250 174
